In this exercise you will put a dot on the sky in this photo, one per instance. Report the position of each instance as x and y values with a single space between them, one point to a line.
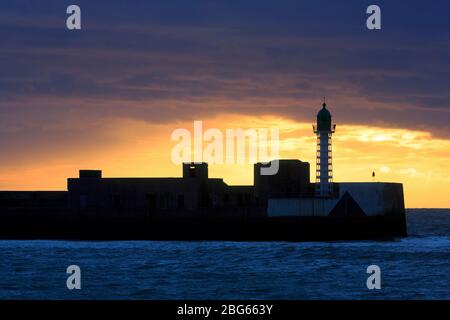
109 96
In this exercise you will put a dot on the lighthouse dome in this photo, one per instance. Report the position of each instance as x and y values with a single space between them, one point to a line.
324 119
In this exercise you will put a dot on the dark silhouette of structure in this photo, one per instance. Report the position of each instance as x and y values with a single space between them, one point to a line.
284 206
324 167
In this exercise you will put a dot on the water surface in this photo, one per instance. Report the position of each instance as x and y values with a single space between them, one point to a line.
417 267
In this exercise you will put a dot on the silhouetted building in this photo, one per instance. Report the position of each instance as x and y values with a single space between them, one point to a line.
192 194
291 179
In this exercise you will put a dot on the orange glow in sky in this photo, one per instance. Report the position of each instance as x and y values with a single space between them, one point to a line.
139 149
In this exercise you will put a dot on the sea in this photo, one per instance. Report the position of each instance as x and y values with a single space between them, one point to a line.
415 267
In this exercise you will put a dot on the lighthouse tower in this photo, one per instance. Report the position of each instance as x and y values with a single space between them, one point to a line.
324 168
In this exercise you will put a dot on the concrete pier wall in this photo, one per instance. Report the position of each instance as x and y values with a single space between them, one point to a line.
373 199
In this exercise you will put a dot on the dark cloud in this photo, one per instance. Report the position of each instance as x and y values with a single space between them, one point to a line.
172 60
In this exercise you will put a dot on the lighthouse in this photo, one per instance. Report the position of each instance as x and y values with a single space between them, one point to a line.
324 165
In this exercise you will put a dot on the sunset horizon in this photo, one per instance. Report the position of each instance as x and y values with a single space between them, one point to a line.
358 151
